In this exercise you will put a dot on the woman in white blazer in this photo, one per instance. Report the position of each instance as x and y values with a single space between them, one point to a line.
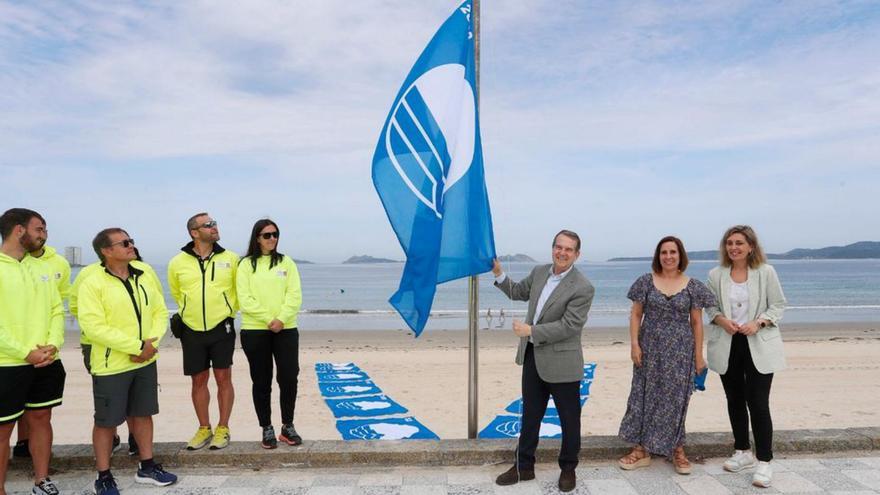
744 345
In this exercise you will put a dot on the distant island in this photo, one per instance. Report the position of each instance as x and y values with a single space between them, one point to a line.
516 258
302 262
361 260
854 251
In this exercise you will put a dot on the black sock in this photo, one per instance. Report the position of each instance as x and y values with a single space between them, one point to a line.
104 474
147 464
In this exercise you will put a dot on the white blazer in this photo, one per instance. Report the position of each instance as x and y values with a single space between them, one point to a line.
766 301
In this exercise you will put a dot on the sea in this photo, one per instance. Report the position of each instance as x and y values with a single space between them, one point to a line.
355 296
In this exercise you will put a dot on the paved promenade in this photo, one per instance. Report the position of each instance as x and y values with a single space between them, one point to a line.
850 473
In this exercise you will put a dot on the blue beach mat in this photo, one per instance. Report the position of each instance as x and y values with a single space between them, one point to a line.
335 367
343 376
349 389
509 426
364 407
589 370
384 429
349 393
585 387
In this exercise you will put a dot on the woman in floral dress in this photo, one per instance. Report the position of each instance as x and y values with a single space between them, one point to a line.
666 331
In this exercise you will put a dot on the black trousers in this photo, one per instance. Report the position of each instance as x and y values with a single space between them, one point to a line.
748 393
260 347
536 392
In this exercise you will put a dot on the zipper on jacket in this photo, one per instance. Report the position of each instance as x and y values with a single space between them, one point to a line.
184 306
146 298
227 303
137 309
212 270
139 305
204 305
107 358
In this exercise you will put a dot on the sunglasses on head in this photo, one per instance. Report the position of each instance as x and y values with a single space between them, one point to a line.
125 243
269 235
208 225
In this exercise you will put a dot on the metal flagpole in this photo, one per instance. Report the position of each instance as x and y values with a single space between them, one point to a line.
474 281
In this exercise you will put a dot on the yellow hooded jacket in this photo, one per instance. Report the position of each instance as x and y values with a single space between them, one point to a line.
30 309
96 267
266 294
60 270
118 315
204 288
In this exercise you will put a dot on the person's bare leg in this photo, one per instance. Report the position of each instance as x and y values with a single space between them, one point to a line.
5 435
102 442
201 397
225 394
39 423
142 429
23 431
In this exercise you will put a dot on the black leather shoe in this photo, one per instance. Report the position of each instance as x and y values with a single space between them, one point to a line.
512 477
567 481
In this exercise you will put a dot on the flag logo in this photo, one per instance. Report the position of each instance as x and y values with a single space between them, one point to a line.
433 118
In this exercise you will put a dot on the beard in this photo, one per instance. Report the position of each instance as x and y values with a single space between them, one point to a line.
31 244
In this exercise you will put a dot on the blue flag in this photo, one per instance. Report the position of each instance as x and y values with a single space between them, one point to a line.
428 171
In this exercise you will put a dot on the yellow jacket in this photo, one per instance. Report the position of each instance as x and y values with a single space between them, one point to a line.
60 270
30 309
266 294
118 315
204 289
89 270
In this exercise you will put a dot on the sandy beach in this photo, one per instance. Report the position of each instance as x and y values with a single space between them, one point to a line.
832 381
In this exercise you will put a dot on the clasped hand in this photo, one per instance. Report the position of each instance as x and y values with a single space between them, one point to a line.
147 352
42 356
732 327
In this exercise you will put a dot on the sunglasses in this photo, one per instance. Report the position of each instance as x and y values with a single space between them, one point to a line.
208 225
125 243
269 235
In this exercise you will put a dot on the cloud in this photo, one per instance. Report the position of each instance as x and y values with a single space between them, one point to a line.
621 120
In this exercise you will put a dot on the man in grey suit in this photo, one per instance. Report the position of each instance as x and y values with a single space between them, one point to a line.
550 353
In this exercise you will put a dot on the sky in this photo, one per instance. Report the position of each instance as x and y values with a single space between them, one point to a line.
623 121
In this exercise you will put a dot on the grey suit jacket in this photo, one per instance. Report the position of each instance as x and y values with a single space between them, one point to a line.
556 333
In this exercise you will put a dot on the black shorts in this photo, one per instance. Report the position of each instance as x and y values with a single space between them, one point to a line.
131 393
211 349
25 387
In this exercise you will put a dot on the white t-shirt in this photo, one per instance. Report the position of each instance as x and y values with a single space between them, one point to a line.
739 302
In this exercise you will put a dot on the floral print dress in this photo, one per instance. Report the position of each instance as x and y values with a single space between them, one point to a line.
662 386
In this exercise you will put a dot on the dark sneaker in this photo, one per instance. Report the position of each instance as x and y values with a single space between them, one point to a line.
289 435
45 487
155 476
116 443
269 441
106 486
132 445
21 450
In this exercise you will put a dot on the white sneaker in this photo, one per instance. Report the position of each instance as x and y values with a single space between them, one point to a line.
741 459
762 475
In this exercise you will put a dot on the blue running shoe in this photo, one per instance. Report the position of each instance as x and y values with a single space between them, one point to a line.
106 486
155 476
